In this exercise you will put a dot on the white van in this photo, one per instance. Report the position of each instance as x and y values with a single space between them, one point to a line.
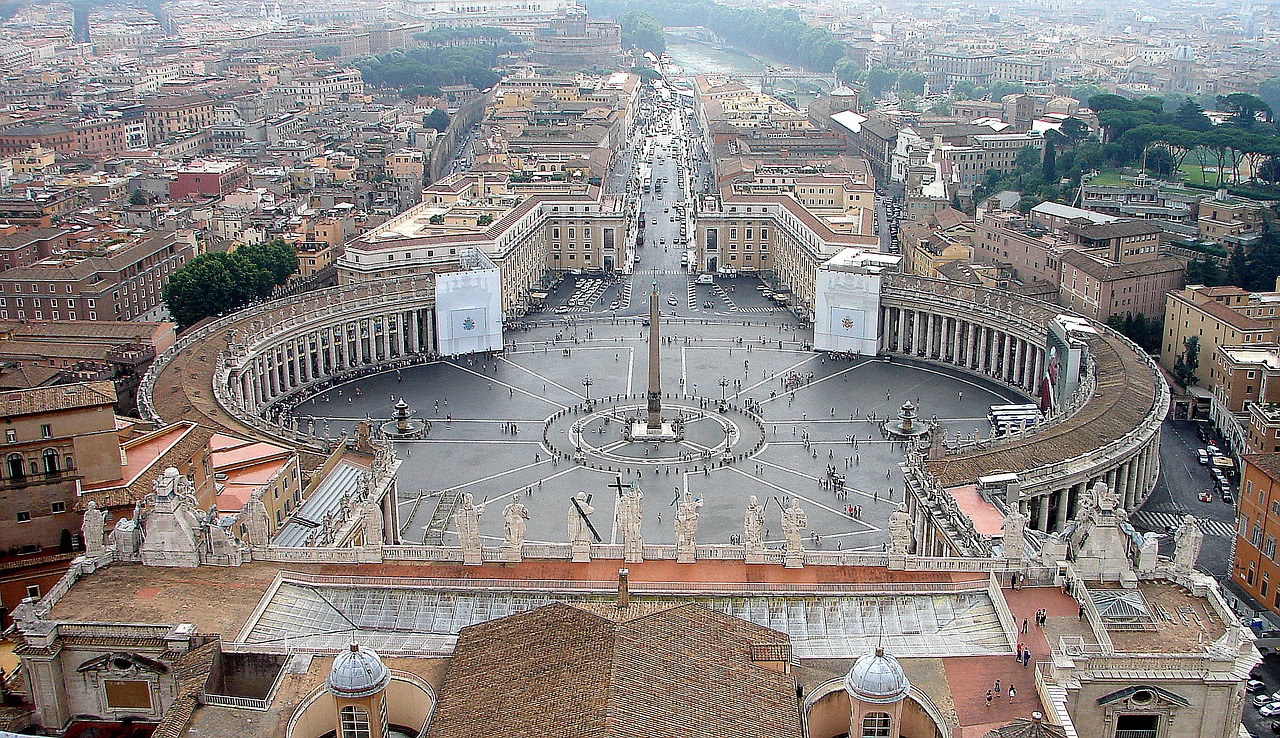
705 279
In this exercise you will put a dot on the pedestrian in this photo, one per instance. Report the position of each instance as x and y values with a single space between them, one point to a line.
1012 693
997 689
1080 615
1024 625
989 698
1017 655
1026 658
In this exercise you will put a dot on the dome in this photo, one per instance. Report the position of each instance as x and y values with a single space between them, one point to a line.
358 672
877 679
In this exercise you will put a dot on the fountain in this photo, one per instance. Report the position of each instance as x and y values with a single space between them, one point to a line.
908 425
403 424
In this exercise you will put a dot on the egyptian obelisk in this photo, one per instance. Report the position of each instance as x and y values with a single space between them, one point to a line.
655 366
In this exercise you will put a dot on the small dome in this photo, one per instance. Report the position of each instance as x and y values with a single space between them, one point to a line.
358 672
877 679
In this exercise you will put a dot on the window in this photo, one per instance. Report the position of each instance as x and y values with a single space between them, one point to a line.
58 507
33 590
10 435
14 467
354 722
24 516
876 725
46 431
50 459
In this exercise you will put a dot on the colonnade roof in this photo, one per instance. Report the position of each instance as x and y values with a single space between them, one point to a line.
1126 391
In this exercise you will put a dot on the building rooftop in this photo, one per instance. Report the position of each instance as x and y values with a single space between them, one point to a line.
61 397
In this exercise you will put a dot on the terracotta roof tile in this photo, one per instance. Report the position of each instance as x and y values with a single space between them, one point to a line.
574 672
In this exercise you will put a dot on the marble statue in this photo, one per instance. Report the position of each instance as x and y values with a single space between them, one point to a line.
900 531
1148 553
372 522
687 528
466 520
514 516
1187 542
630 520
794 522
579 533
94 522
753 531
1014 526
255 521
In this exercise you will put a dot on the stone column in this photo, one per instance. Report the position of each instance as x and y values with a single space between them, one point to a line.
902 331
971 361
1064 501
1043 523
1006 370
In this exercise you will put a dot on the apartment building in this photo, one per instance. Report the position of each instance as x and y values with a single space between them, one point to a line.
86 137
55 440
107 276
170 116
1099 287
208 178
1255 565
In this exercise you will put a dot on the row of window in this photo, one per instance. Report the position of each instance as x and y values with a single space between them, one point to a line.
16 465
24 516
11 434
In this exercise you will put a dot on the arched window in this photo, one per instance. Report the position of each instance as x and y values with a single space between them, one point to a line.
13 465
876 725
355 722
50 456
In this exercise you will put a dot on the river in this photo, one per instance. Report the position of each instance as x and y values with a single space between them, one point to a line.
702 58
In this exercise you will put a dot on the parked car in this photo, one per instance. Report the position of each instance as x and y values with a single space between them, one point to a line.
1262 700
1206 496
1270 710
561 309
1255 685
1227 497
1203 455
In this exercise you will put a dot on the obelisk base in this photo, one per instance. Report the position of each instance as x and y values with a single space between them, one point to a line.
640 430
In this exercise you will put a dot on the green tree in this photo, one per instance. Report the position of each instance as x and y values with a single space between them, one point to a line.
1049 165
911 82
1188 362
1027 159
1245 109
643 31
437 119
137 197
326 52
1269 91
847 70
213 284
1190 116
1203 270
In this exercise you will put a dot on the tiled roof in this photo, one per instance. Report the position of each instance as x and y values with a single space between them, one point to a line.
1125 393
192 671
61 397
563 671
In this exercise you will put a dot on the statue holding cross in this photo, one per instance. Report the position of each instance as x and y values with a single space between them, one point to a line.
630 518
581 531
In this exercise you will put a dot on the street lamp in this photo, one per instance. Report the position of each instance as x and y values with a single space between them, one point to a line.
724 382
586 383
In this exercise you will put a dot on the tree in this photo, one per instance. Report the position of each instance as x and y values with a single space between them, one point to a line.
137 197
1074 130
1269 170
437 119
1203 270
326 52
1269 91
1027 159
911 82
1049 164
213 284
1188 362
1245 109
1190 116
643 31
847 70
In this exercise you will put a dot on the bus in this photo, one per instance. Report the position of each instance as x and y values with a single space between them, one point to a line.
1006 419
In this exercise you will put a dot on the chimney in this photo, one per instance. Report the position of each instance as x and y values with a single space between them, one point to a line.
624 596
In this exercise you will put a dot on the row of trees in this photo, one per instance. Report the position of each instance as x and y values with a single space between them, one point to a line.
779 33
218 283
424 69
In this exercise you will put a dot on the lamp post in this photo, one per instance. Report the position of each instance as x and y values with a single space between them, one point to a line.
586 384
724 382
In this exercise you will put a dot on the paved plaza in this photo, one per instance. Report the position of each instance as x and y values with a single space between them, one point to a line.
488 415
